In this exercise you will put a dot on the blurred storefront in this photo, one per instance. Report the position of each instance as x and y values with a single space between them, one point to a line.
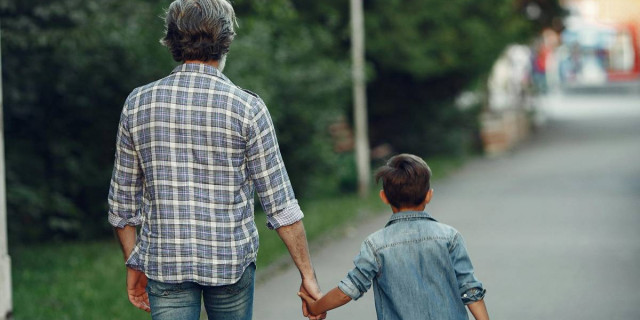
600 44
598 47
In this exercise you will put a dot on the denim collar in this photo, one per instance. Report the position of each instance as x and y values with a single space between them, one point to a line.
201 68
409 215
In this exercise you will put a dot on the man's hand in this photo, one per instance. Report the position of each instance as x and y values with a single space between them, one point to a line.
311 289
136 284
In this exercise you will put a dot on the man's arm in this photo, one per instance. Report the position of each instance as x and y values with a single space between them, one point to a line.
479 310
136 280
266 169
295 239
127 239
335 298
125 194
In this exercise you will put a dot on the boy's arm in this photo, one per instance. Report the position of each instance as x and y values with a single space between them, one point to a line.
479 310
357 282
333 299
470 288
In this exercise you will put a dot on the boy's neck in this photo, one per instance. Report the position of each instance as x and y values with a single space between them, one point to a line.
418 208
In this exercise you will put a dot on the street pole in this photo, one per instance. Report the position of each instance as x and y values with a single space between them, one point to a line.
5 262
360 98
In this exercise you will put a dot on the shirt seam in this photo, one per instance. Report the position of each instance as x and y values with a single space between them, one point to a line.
408 242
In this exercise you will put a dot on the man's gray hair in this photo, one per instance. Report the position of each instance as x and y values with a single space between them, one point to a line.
199 29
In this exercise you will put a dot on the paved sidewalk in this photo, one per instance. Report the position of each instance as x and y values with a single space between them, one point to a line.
553 228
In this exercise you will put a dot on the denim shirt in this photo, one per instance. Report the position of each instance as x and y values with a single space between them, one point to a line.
419 269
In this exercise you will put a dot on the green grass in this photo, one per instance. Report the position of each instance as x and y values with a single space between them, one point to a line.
87 280
70 281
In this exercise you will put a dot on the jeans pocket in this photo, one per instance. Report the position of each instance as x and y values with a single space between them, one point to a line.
161 289
245 281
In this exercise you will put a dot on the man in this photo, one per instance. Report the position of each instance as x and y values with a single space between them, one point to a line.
191 149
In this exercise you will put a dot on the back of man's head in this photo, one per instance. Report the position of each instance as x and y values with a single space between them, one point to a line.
199 29
405 180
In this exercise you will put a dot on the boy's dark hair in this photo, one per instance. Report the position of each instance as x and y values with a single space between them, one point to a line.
405 180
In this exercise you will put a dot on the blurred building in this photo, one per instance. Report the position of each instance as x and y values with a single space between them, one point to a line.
607 10
601 42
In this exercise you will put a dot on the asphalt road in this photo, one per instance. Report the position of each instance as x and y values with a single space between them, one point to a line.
553 227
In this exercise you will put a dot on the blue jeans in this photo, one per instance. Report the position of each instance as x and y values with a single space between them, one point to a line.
182 301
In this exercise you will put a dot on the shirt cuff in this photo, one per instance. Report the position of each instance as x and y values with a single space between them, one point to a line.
134 261
350 289
119 222
472 295
289 215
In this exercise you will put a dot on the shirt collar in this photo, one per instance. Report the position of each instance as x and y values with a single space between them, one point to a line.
409 215
200 68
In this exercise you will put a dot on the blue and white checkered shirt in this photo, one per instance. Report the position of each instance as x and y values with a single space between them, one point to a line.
190 151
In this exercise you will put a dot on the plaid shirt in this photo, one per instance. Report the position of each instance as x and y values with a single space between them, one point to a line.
190 151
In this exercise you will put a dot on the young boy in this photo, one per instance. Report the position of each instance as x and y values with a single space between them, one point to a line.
419 267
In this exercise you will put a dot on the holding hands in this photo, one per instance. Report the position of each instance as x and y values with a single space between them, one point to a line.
309 304
335 298
311 290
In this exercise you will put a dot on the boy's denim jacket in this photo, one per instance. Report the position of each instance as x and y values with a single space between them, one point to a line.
419 268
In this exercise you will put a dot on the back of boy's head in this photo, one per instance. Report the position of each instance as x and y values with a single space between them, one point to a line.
405 180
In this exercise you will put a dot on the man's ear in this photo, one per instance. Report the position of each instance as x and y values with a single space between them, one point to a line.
383 197
428 197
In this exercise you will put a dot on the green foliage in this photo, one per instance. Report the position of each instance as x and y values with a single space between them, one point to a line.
288 62
425 53
455 37
67 68
422 54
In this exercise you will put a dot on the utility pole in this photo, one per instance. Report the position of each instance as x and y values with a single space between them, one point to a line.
6 305
363 162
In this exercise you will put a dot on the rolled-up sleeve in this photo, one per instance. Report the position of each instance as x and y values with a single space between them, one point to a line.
359 279
472 295
125 191
470 288
267 171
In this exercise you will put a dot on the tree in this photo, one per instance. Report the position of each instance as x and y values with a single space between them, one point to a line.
424 54
421 55
67 70
292 64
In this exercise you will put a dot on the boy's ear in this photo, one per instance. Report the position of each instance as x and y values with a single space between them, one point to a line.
428 197
383 197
